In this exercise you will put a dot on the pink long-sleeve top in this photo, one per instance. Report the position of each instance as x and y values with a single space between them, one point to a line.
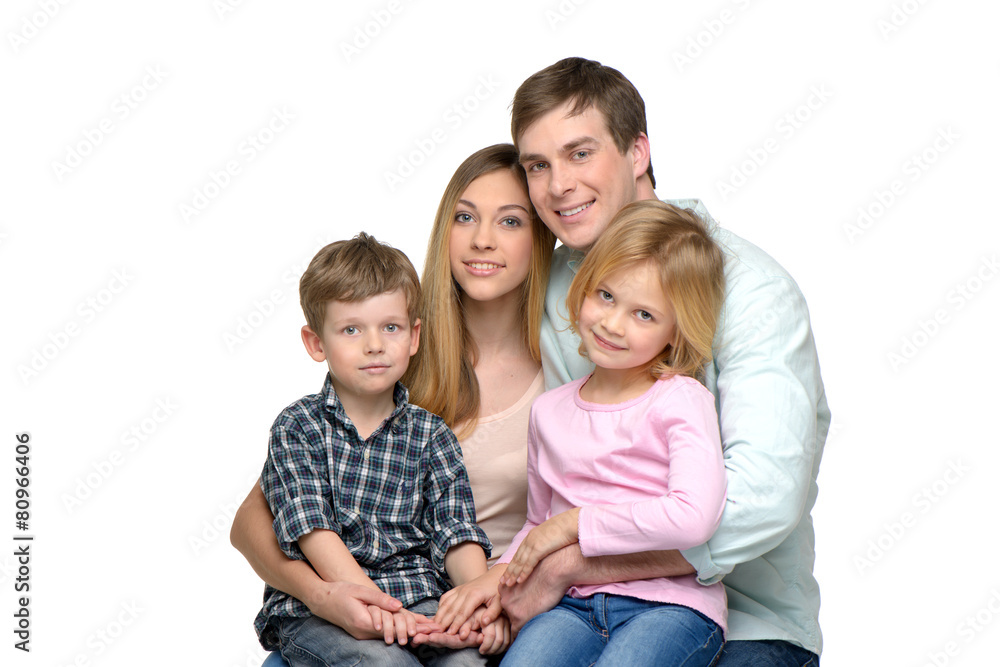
647 474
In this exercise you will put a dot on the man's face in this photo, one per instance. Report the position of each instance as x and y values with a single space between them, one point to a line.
577 178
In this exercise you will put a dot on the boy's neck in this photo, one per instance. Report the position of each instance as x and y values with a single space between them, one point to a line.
367 412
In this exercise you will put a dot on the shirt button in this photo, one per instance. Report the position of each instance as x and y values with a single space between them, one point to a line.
367 452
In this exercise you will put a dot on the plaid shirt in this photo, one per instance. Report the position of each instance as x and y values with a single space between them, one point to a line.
399 500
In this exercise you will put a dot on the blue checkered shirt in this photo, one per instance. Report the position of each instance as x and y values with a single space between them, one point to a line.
398 500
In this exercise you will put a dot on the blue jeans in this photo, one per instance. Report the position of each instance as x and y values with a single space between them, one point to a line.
765 653
313 642
616 630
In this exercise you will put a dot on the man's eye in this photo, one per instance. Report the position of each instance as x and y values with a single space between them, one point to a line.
538 166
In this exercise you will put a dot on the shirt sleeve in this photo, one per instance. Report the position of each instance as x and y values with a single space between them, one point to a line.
296 483
539 493
449 516
683 428
773 419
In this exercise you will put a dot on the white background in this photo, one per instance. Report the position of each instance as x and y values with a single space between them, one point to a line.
116 303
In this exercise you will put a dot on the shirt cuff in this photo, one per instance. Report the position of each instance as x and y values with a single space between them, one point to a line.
701 560
301 516
453 536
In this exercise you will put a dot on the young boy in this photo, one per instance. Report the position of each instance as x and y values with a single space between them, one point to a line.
365 487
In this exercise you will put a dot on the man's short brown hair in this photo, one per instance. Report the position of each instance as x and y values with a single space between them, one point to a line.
585 83
355 270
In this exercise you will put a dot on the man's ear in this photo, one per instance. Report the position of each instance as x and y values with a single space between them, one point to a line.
313 343
415 337
640 155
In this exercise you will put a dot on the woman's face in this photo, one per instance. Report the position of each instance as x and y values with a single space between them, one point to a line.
490 243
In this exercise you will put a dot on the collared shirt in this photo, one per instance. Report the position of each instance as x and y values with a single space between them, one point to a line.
398 499
773 418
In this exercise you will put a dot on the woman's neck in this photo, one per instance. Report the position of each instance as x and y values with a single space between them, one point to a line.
495 326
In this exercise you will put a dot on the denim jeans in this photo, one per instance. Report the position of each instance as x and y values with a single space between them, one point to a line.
313 642
765 654
615 630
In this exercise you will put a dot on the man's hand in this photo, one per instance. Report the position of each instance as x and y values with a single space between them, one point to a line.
541 591
353 607
401 625
549 536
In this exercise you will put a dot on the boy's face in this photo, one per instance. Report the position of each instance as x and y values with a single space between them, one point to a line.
366 344
577 178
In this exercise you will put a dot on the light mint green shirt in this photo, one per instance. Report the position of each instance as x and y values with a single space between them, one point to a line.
773 418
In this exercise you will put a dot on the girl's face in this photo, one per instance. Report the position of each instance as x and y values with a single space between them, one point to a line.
490 243
627 320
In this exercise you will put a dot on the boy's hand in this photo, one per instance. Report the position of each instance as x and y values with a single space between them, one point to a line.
496 636
558 532
399 626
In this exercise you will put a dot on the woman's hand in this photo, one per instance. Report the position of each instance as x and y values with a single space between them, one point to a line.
558 532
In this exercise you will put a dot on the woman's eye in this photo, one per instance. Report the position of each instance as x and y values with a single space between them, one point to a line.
510 222
463 217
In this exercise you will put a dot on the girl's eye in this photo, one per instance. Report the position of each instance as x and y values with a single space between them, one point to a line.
643 315
510 222
605 295
463 217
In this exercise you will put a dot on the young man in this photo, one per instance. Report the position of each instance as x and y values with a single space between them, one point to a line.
580 128
364 486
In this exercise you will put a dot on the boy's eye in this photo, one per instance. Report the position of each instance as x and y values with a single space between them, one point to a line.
391 328
350 331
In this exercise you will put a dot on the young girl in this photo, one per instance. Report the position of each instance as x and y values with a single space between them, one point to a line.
629 459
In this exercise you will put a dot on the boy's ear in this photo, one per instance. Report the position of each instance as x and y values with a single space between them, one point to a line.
640 155
415 337
313 343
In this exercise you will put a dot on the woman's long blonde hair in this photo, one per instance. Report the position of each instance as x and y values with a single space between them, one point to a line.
691 271
442 377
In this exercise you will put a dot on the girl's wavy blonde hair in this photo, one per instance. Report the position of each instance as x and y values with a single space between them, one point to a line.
691 269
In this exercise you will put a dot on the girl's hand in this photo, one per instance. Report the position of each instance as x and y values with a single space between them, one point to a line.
456 607
558 532
496 636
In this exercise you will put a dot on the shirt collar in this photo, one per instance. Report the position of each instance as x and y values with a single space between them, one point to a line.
400 396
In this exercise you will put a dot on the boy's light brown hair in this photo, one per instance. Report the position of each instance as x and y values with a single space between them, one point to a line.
585 83
355 270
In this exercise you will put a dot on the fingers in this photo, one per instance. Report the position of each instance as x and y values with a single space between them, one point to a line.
376 614
388 627
493 611
403 621
371 596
